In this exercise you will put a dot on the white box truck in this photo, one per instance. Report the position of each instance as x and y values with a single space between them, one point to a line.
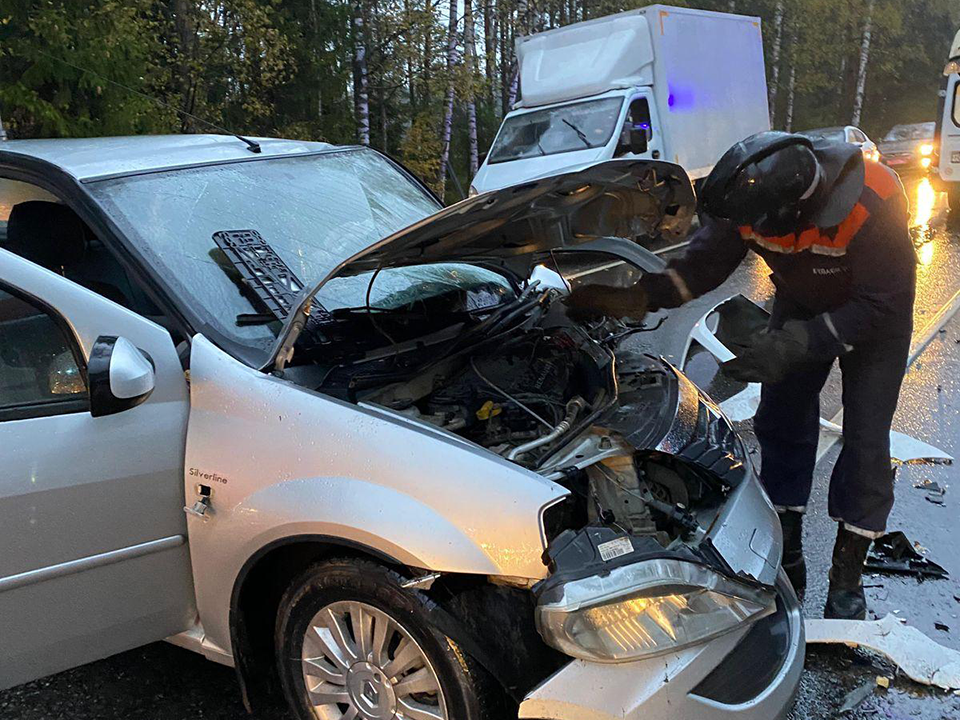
948 127
659 82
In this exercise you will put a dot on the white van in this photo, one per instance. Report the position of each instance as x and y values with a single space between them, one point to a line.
948 126
659 82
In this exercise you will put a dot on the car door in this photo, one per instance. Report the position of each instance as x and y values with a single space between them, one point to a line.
641 135
91 508
949 126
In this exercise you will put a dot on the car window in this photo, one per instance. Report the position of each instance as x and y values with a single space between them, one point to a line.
915 131
39 371
14 192
576 126
836 134
956 104
637 129
857 136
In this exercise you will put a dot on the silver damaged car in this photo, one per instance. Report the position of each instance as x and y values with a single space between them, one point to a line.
274 403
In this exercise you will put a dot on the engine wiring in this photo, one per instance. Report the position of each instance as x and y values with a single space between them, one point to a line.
508 396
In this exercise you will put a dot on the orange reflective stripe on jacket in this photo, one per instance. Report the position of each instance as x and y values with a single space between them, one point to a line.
878 181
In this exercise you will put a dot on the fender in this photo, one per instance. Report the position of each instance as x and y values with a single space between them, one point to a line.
281 461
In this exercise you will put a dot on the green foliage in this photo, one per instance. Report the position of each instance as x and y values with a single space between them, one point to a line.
420 148
285 67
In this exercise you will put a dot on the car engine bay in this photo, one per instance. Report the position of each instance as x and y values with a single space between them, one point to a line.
561 398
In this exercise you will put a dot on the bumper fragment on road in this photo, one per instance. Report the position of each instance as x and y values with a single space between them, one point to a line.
920 658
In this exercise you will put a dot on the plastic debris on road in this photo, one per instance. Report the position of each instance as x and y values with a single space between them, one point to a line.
894 553
920 658
855 697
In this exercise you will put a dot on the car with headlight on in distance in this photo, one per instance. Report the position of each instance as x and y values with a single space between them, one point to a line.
269 400
910 147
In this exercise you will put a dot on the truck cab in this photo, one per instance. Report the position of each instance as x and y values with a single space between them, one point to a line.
660 82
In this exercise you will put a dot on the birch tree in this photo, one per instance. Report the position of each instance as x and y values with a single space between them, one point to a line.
490 50
523 20
469 51
864 61
361 98
446 128
775 60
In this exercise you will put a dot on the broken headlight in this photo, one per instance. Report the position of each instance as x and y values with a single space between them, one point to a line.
645 609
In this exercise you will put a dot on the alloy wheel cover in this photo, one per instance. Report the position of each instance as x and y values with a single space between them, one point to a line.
359 663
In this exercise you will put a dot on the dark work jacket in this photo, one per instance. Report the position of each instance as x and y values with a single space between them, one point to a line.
852 283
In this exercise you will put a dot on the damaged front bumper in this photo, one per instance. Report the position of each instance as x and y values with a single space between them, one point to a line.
704 628
751 672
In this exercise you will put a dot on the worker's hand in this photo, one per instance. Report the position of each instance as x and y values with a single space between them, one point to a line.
772 356
591 302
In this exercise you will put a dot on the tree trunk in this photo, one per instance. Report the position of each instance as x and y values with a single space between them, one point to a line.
469 52
410 36
791 87
186 46
317 61
427 54
523 21
864 61
775 60
490 50
506 64
361 100
446 129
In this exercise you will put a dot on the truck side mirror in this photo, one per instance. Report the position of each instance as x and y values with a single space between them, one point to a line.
120 376
632 140
639 140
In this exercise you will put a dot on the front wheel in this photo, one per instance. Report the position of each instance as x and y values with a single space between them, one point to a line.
352 644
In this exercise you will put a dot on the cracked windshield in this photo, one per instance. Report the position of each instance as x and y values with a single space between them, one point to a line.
314 212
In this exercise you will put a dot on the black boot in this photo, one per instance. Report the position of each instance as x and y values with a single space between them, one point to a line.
793 562
845 598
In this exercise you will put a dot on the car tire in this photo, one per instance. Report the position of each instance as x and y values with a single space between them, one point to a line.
953 199
398 660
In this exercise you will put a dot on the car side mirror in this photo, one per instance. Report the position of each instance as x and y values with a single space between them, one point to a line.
120 375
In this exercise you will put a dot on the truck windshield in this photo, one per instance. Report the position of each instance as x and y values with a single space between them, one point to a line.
314 211
555 130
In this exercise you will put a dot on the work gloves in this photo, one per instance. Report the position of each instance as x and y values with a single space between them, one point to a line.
772 354
591 302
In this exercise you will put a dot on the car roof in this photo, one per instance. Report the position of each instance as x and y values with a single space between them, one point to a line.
87 158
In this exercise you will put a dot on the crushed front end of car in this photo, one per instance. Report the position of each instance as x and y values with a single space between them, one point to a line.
662 594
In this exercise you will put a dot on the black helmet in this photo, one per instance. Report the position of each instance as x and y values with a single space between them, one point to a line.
764 181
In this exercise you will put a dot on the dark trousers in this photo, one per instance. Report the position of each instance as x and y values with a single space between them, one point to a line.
787 426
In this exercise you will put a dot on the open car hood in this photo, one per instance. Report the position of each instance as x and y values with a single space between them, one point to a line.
588 210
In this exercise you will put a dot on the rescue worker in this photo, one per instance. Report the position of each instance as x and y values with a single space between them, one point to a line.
833 230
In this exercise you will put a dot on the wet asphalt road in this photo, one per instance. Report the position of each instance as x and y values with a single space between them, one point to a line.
161 682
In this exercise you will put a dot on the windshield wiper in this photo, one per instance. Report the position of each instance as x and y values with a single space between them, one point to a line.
580 134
